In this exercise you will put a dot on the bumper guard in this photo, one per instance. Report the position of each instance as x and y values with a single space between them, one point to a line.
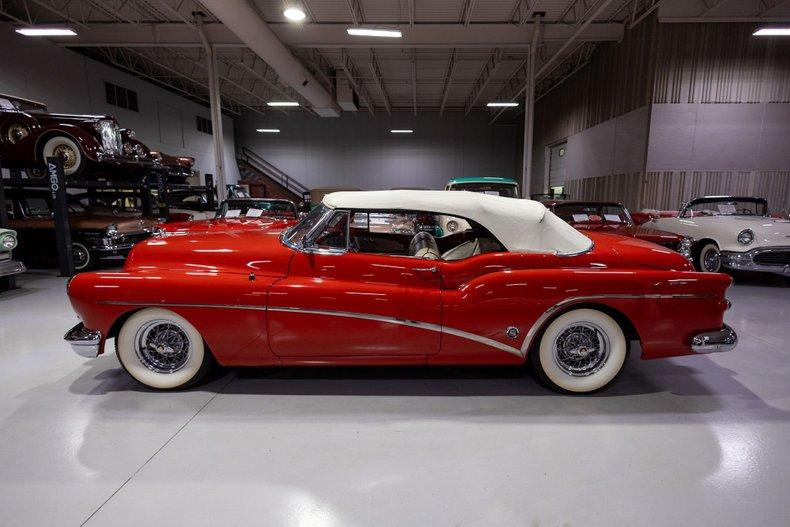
84 342
724 339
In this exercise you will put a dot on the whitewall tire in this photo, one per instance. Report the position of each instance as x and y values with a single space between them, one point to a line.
581 351
709 259
83 258
162 350
68 150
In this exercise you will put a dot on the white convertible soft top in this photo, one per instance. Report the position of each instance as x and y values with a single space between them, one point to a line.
521 225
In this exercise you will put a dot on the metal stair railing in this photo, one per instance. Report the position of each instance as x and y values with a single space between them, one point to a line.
272 172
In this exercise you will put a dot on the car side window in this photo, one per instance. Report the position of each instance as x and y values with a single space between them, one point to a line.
334 235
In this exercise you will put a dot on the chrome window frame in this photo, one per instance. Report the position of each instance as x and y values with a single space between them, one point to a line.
318 228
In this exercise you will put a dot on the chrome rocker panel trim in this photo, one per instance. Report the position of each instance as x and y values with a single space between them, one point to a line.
84 342
10 267
724 339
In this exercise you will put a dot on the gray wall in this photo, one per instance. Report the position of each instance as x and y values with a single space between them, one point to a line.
358 150
71 83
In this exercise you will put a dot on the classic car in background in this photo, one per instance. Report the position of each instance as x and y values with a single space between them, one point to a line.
177 168
516 284
732 232
93 236
613 217
187 204
8 242
495 186
240 214
89 145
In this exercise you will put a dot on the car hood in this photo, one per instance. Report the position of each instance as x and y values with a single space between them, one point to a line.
91 222
257 251
43 117
230 224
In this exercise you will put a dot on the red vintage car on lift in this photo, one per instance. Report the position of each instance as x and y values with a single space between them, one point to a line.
613 217
401 277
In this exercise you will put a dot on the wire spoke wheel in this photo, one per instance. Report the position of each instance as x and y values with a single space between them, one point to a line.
162 346
67 154
581 349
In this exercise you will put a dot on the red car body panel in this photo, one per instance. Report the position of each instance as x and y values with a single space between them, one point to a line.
257 302
225 224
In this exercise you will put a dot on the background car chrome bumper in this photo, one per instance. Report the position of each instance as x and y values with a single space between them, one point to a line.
10 267
764 260
84 342
724 339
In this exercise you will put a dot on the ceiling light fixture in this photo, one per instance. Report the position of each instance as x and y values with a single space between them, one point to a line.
495 104
401 131
373 32
268 130
46 32
772 32
294 13
282 103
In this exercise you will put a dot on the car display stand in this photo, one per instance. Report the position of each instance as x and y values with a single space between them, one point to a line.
55 180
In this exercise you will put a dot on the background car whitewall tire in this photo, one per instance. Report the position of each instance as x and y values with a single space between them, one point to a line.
708 258
162 350
83 258
68 150
581 351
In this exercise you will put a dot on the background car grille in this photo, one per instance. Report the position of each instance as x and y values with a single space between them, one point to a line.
781 257
135 237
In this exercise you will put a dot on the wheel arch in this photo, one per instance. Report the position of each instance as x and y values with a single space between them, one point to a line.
625 323
80 139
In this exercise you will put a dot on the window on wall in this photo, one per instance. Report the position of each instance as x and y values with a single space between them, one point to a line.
203 125
120 96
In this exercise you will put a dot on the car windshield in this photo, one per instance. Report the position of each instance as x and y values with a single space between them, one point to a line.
296 234
592 213
726 207
250 208
494 189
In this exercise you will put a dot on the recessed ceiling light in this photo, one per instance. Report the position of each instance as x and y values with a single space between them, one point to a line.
268 130
294 13
495 104
772 32
401 131
46 32
373 32
282 103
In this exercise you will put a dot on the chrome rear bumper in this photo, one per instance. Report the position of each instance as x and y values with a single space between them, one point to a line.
724 339
84 342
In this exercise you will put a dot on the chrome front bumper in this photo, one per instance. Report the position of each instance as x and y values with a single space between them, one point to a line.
84 342
724 339
745 261
10 267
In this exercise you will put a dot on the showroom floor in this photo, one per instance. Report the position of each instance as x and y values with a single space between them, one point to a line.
695 439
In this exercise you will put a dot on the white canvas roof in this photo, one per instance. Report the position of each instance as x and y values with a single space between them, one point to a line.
521 225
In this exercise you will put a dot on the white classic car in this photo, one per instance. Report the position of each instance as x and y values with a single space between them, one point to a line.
732 232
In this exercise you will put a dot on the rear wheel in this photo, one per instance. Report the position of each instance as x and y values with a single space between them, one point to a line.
581 351
162 350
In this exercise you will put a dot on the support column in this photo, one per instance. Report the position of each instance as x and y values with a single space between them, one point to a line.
216 112
529 112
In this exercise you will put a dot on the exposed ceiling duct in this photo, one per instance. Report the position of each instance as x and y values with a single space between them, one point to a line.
240 17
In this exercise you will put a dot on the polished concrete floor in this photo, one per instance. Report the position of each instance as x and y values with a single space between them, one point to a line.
699 440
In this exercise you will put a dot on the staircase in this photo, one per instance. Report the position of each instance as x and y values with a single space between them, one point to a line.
255 170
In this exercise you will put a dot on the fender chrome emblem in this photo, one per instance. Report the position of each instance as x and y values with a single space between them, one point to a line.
512 332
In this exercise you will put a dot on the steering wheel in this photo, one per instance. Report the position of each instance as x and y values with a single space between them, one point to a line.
745 212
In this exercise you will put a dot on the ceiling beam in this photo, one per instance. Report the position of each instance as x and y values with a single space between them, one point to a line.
414 80
356 80
448 80
355 9
467 10
442 36
484 78
376 72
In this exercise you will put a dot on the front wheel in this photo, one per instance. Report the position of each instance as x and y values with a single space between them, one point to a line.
708 259
83 258
581 351
67 150
162 350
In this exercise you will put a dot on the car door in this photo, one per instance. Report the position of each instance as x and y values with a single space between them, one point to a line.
339 303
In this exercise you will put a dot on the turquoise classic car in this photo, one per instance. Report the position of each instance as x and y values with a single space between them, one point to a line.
7 244
496 186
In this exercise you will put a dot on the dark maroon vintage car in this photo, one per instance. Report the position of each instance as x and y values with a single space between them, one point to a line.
176 167
88 144
613 217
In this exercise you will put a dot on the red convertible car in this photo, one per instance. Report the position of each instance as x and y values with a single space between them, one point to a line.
613 217
376 278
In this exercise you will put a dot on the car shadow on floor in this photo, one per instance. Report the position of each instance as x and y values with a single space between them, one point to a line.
647 391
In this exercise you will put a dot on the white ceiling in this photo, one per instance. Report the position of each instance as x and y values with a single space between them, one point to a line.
455 55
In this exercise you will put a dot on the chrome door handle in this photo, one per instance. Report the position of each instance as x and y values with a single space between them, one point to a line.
425 269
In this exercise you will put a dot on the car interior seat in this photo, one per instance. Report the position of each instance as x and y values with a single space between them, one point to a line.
423 245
